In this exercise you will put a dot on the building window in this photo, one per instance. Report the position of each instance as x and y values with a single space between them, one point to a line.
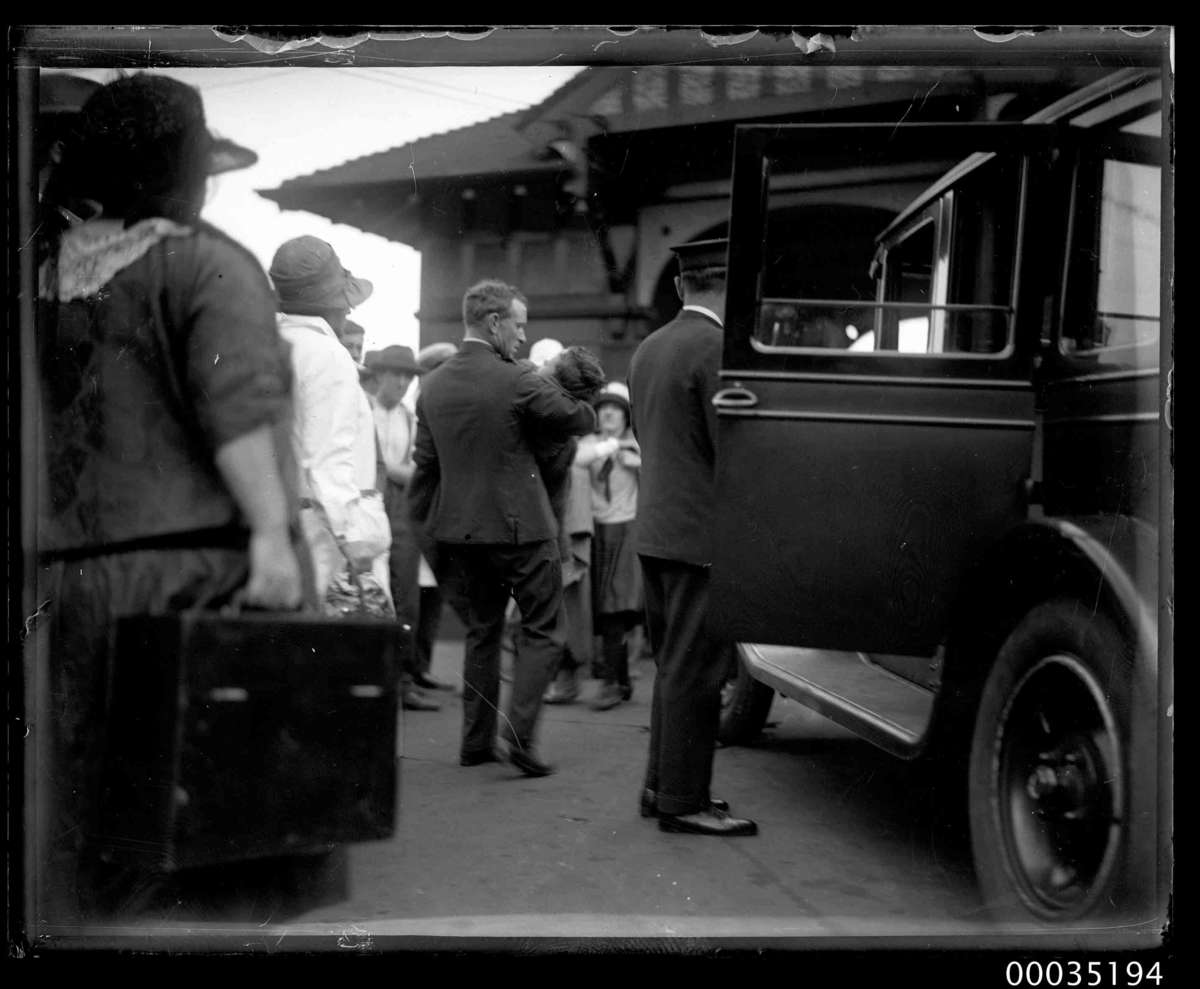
791 79
536 268
743 82
696 85
650 88
490 260
585 265
610 104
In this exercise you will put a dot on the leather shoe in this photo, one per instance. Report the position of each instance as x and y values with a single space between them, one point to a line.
649 804
410 700
557 695
429 683
707 822
608 698
479 758
526 761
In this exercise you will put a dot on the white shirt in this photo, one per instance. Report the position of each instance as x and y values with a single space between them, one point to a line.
394 427
333 433
704 310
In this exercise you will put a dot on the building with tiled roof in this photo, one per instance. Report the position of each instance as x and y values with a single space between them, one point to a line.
577 200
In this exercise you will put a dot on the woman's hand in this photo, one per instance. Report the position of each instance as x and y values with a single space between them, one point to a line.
274 572
607 447
358 554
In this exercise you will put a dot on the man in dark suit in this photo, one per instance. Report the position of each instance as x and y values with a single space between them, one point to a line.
672 379
479 496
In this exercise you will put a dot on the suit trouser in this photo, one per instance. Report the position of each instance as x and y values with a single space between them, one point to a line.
404 562
479 581
429 620
686 706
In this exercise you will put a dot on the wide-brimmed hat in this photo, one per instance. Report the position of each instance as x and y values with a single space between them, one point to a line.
395 358
61 98
614 393
225 155
435 355
306 272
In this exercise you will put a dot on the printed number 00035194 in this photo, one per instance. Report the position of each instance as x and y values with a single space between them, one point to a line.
1076 973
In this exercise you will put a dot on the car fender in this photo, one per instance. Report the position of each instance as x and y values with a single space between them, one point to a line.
1109 562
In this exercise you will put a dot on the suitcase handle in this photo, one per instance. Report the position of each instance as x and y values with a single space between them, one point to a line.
239 695
237 606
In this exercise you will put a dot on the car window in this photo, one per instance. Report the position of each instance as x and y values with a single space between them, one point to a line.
1121 323
940 285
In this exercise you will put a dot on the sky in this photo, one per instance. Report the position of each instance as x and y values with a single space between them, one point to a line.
302 119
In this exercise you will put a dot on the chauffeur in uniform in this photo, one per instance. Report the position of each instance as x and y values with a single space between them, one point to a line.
672 379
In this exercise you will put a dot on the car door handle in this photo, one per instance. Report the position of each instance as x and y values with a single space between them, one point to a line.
735 398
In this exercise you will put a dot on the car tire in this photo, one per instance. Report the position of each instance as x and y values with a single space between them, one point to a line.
745 704
1048 784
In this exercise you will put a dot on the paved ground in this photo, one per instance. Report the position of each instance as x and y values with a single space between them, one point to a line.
853 851
843 843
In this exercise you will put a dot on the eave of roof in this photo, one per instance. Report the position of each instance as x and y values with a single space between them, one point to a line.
452 154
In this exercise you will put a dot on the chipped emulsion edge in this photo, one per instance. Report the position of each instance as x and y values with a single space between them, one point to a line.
31 620
274 46
354 936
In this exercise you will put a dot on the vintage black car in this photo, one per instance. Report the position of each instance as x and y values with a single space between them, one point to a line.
939 503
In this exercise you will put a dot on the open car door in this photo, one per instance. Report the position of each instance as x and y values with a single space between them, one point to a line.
876 410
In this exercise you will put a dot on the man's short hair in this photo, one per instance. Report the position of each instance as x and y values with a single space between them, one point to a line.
703 280
702 264
487 297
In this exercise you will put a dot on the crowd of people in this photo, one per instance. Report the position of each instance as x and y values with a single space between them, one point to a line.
216 434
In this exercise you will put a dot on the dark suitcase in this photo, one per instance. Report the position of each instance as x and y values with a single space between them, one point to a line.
235 738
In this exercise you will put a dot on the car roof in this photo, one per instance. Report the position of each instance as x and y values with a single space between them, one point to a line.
1072 105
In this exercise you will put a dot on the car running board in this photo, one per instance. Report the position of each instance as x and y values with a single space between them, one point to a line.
849 689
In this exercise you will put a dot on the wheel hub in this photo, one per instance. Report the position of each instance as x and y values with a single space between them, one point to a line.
1063 783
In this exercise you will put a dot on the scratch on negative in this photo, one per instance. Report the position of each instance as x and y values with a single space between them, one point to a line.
36 231
503 717
1112 533
412 167
929 92
907 111
32 619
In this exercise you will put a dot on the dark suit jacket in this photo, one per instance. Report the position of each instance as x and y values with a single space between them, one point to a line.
479 419
672 379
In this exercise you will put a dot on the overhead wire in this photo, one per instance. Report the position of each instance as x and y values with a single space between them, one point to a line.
273 77
448 87
410 87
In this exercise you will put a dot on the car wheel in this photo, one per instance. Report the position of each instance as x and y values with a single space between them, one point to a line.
745 703
1048 782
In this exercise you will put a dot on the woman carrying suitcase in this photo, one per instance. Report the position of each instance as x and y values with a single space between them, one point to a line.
164 464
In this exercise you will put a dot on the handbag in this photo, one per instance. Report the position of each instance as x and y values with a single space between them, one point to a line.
360 594
238 737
